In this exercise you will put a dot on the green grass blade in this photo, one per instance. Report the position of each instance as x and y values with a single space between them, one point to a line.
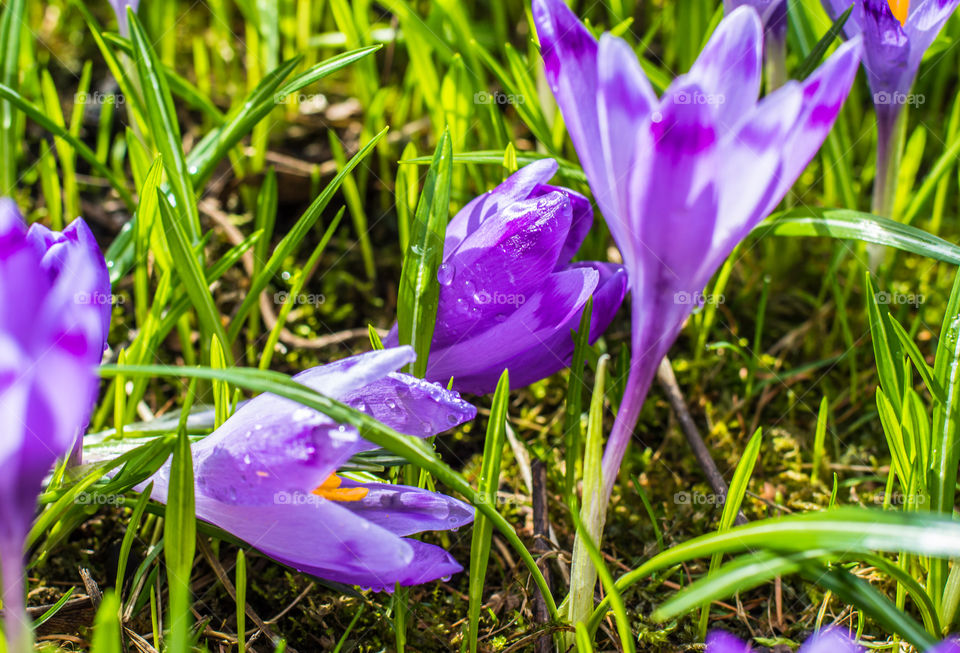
164 127
179 533
486 488
192 276
731 507
106 626
865 227
129 534
574 404
815 58
38 116
419 289
11 25
241 584
294 237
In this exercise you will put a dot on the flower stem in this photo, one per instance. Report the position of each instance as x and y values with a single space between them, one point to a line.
775 55
889 120
889 149
16 627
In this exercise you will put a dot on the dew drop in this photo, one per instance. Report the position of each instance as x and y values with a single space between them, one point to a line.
445 274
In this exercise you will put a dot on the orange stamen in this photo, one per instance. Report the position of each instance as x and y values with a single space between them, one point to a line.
900 9
330 489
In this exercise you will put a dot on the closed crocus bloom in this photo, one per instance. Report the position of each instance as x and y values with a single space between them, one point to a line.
896 34
268 476
683 178
509 295
51 338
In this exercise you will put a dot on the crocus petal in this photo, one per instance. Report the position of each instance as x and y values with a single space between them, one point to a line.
684 142
555 351
410 405
561 297
508 256
886 46
719 641
580 222
625 102
570 58
752 180
728 69
831 640
120 9
946 646
773 14
272 444
312 535
405 510
518 186
429 563
55 247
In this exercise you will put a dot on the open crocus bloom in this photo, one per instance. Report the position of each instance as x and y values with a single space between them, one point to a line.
268 476
509 295
51 339
683 178
831 640
896 34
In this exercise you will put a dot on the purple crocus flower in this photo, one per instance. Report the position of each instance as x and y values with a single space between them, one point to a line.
773 15
51 338
896 34
268 476
683 178
831 640
509 295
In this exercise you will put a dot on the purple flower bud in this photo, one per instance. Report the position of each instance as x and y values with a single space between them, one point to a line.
509 296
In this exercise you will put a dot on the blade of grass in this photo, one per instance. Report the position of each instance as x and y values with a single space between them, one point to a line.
487 489
293 238
419 289
731 508
164 127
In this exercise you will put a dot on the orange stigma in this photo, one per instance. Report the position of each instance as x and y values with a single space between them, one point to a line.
330 489
900 9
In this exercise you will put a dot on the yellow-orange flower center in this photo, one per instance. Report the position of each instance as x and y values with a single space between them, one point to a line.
900 9
330 489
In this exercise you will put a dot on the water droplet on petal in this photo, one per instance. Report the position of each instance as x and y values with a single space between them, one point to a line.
445 274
